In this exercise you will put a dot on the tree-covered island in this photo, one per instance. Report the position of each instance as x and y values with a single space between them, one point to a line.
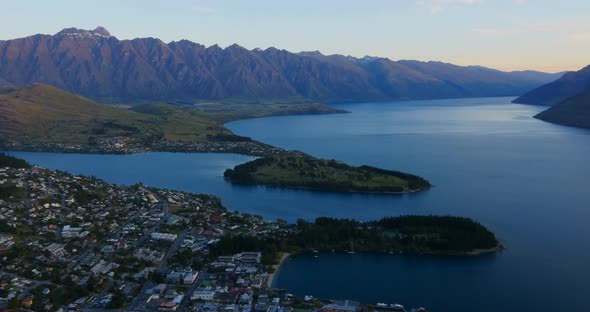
301 171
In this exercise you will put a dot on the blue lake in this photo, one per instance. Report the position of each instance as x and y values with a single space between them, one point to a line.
490 160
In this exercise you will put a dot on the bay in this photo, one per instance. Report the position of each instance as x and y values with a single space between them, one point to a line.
489 160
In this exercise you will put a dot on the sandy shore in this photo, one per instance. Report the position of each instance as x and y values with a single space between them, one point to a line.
276 268
478 252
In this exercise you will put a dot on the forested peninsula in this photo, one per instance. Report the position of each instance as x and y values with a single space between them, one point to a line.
442 235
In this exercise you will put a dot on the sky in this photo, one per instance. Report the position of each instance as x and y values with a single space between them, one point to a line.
545 35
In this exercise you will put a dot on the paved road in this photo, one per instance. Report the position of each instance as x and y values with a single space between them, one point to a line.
184 304
27 188
163 265
147 234
137 304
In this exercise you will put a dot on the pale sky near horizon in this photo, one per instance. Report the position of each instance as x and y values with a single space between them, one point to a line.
546 35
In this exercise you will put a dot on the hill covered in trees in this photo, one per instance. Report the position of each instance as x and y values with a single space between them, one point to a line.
409 234
13 162
306 172
7 188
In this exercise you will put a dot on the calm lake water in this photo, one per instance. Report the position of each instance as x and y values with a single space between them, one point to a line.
490 160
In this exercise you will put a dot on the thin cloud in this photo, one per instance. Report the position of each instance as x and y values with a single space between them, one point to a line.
203 10
579 37
438 6
556 27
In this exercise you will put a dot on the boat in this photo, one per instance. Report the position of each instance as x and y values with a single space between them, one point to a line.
351 248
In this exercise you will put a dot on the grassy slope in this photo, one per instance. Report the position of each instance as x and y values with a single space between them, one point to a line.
226 112
44 114
178 124
39 114
326 175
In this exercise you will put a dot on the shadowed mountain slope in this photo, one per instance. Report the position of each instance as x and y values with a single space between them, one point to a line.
571 84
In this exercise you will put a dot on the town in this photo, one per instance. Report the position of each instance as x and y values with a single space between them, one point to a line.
73 243
127 145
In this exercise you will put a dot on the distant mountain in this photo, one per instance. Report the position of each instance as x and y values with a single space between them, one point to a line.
97 65
573 112
533 74
571 84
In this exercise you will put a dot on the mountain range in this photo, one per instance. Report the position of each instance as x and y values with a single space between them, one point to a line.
96 65
569 98
569 85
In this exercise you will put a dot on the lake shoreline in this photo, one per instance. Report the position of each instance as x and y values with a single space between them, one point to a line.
328 175
479 252
231 143
276 268
311 189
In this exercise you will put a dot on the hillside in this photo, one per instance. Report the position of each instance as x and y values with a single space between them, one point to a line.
44 114
574 112
101 67
571 84
441 235
45 118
